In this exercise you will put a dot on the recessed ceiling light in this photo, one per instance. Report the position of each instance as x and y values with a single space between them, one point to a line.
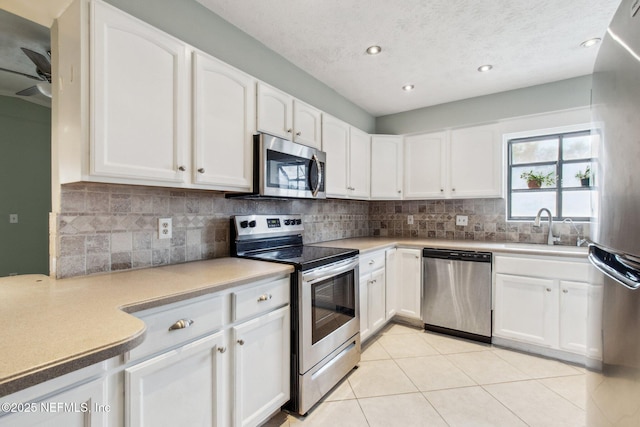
590 42
408 88
485 68
374 50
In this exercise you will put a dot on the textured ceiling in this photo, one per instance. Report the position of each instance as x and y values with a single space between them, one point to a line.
437 45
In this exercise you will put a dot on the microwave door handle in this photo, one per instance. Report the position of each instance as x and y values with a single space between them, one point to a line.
314 192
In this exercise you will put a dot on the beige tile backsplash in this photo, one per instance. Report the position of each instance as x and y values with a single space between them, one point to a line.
103 228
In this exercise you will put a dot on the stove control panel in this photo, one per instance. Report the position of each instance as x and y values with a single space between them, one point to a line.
250 226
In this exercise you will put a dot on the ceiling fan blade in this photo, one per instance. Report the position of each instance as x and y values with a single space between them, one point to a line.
42 63
33 90
22 74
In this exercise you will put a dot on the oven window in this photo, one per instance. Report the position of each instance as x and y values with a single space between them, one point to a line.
333 305
289 172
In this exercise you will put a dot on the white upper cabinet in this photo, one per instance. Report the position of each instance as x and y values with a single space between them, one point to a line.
425 159
139 99
461 163
386 167
223 124
281 115
348 159
476 162
307 124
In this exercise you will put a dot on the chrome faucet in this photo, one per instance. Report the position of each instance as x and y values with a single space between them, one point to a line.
551 239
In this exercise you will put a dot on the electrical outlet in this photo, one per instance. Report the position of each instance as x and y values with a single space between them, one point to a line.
410 219
462 220
13 218
164 228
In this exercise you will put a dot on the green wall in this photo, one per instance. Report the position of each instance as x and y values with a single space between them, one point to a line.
25 186
193 23
561 95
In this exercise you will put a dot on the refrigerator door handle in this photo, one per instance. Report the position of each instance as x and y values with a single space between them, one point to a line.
621 267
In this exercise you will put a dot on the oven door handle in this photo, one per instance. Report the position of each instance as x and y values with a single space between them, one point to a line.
324 273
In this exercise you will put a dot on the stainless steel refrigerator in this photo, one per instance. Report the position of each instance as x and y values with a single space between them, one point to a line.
613 393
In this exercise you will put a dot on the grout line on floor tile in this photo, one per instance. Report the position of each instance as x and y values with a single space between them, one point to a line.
555 392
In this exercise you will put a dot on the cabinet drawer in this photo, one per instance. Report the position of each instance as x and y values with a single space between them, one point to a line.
545 268
199 316
259 299
371 262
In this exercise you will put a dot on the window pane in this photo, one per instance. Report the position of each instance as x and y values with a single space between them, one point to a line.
569 171
519 183
528 204
576 147
576 204
544 150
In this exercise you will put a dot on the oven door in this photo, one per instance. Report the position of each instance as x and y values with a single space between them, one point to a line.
329 310
288 169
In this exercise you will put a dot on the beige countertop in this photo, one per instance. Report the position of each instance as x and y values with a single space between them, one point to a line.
52 327
369 244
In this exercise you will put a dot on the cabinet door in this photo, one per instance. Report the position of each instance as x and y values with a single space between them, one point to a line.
82 406
365 332
425 157
573 316
386 167
476 162
223 125
391 282
359 164
526 309
186 386
261 367
307 124
139 99
335 142
376 300
275 112
409 283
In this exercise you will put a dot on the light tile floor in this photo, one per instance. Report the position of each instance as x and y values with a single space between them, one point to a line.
409 377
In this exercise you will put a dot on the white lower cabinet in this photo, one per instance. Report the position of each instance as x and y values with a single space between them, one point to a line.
261 352
372 293
185 386
546 302
409 285
391 280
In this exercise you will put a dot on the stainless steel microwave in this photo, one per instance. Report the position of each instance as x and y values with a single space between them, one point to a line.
286 169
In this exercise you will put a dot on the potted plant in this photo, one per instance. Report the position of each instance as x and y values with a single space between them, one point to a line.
537 179
585 177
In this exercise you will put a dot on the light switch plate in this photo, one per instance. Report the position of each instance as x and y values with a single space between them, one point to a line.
462 220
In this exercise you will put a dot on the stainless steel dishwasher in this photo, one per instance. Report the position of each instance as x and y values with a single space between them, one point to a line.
457 293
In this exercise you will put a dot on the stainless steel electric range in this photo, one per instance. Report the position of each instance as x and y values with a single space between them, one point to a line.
325 319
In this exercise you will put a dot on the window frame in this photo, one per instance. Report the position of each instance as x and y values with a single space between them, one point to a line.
559 163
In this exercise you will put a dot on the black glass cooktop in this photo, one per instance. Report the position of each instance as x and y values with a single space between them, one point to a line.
304 257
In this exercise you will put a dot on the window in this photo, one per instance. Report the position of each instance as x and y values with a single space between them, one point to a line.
560 160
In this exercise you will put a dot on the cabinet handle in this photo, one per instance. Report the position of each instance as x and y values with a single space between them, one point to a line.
201 170
241 342
298 133
182 168
222 349
289 130
566 291
181 324
264 297
548 289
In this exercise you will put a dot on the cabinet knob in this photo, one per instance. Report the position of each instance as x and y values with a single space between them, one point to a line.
298 133
453 189
264 297
442 190
566 291
241 342
548 289
399 191
201 170
181 324
289 130
372 262
182 168
222 349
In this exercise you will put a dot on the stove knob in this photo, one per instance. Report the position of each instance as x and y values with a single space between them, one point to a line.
244 224
252 223
298 221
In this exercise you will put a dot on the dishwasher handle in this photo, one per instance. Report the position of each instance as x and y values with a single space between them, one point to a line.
456 255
